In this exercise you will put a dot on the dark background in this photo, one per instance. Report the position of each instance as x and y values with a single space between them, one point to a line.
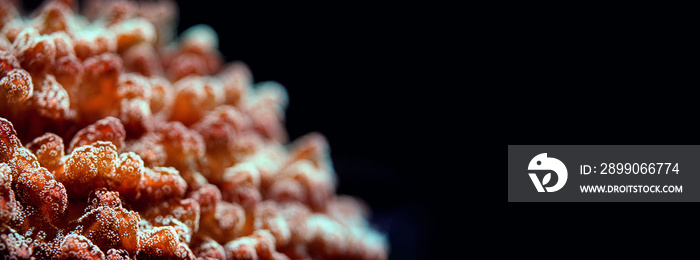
359 73
600 75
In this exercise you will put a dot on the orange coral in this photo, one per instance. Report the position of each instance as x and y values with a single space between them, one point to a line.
115 144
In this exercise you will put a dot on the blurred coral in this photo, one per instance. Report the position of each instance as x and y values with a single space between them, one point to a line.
119 141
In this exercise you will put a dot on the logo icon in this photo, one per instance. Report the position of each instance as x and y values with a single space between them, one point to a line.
543 163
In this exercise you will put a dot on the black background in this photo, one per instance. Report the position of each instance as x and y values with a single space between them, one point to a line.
601 75
359 73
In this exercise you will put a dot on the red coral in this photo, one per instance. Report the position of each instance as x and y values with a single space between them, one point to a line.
35 52
89 43
302 182
266 108
8 62
184 147
68 71
34 185
183 215
79 247
14 245
269 217
8 140
8 12
348 210
161 94
196 54
104 198
108 225
128 175
194 96
150 150
241 184
89 167
4 43
221 131
161 183
237 81
136 116
108 129
117 254
143 58
13 28
259 245
207 248
170 153
55 16
312 147
17 86
50 99
225 223
208 197
133 31
37 188
8 203
117 11
162 242
96 97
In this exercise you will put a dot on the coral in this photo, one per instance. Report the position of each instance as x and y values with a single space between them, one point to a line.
108 129
119 141
108 225
18 86
8 202
79 247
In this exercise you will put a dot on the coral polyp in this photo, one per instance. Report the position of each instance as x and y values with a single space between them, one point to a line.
120 141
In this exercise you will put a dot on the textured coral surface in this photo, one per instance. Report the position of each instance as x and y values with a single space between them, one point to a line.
120 141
